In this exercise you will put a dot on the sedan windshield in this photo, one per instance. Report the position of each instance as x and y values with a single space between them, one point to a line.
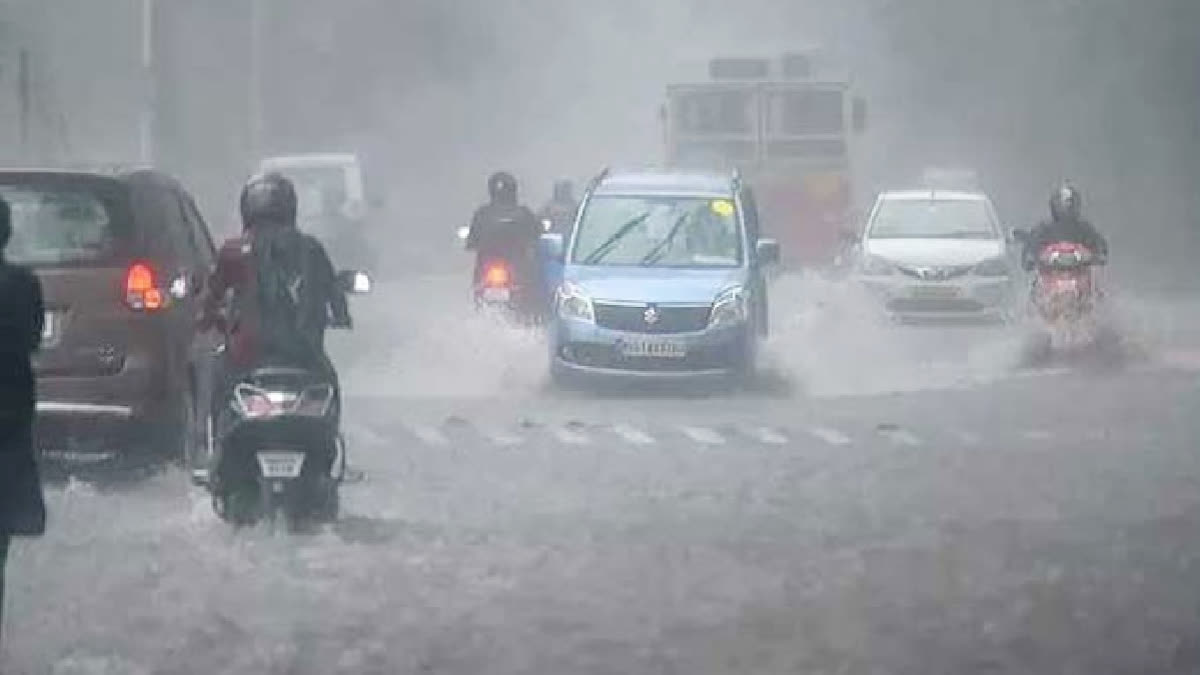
933 219
659 232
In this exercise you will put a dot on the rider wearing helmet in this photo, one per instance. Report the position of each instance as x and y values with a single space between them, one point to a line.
1066 224
504 229
560 210
282 286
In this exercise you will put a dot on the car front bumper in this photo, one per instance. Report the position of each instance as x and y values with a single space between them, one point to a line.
962 298
585 349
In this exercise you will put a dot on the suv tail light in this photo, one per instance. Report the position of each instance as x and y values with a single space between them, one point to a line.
142 291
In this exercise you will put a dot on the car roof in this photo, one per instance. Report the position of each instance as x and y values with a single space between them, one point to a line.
317 159
667 182
933 195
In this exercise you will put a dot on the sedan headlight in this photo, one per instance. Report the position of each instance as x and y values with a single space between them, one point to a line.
873 265
731 307
995 267
574 303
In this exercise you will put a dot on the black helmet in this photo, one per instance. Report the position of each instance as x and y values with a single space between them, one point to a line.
502 187
564 191
1066 203
268 198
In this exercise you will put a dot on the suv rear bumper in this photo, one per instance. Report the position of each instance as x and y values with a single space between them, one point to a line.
94 419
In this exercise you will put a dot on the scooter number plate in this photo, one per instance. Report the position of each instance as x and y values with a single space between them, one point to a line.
281 464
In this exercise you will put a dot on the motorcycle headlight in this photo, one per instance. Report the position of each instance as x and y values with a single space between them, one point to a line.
574 303
995 267
875 266
730 307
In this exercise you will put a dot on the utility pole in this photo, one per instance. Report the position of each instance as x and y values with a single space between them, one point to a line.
146 123
255 93
23 102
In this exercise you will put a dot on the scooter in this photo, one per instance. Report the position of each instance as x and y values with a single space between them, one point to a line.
276 450
499 289
1065 299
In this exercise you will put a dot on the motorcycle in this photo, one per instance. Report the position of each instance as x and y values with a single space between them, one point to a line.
277 453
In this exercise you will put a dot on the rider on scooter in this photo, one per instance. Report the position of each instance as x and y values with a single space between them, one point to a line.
1066 224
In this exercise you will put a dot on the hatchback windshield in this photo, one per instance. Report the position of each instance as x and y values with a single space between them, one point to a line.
933 219
659 232
58 224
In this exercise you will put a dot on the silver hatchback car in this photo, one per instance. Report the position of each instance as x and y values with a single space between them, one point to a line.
937 255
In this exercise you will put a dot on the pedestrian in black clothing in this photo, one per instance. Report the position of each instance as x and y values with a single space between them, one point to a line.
22 509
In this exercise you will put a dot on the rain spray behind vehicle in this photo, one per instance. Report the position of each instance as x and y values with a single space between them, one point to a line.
790 131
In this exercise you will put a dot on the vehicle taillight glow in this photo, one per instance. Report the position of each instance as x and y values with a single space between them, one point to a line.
141 288
496 276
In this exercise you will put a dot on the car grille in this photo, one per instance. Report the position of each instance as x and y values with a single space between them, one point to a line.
935 273
671 319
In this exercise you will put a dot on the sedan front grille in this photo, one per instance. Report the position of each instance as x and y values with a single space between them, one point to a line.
935 273
663 319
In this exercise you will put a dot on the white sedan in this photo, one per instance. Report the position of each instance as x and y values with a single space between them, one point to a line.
937 255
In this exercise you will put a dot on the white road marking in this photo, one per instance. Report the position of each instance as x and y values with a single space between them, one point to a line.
633 435
902 437
429 435
968 438
830 436
768 435
570 437
502 437
703 435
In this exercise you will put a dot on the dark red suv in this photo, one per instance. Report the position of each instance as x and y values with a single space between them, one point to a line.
122 256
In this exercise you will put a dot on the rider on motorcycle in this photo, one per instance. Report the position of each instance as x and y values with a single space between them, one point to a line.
283 288
504 229
1066 224
560 210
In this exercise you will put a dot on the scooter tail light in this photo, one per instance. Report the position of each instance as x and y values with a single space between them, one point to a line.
314 401
497 276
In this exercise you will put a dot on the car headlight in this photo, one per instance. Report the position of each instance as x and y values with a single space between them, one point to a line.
995 267
731 307
574 303
875 266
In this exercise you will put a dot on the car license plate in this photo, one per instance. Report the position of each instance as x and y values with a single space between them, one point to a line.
936 292
497 294
49 330
663 349
281 464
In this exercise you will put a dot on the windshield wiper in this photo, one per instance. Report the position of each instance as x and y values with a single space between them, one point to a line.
660 249
609 244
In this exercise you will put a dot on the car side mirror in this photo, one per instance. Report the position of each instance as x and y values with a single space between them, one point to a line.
848 236
355 282
552 245
767 251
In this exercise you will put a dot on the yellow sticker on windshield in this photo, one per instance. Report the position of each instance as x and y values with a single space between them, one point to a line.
722 207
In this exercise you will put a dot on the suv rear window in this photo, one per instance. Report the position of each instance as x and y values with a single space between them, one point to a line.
57 222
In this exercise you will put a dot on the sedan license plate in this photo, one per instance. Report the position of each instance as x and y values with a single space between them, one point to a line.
936 292
281 464
663 349
497 295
